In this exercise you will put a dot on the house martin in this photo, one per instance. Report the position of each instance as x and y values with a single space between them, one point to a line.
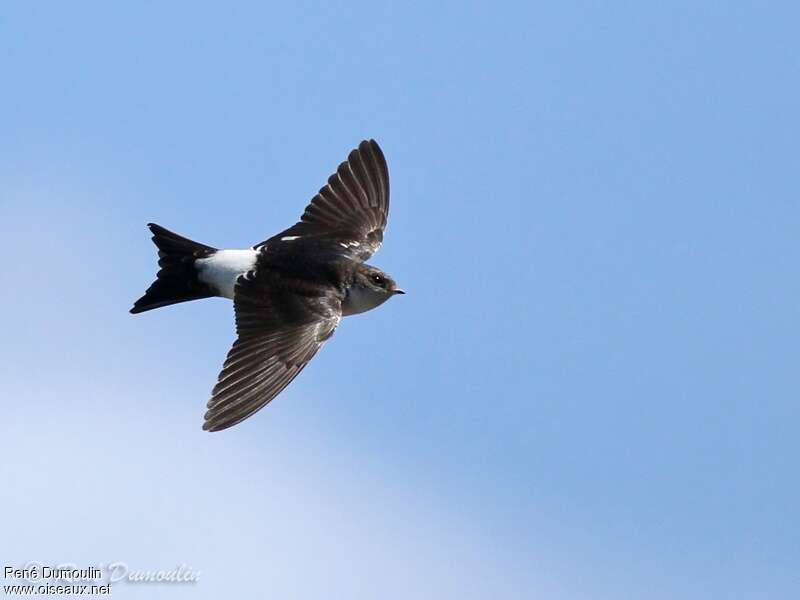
290 291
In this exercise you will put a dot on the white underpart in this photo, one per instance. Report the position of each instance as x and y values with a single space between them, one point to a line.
361 299
221 269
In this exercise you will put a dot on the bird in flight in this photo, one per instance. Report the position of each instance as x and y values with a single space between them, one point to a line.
289 292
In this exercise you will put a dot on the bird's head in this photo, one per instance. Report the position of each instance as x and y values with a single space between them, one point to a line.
371 287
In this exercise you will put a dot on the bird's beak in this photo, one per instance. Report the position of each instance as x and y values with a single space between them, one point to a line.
398 291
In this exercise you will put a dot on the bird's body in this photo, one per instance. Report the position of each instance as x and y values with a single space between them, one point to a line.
304 263
290 291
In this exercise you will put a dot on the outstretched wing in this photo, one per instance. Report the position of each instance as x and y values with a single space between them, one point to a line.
350 212
279 333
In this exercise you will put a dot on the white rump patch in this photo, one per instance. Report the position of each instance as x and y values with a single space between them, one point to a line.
222 269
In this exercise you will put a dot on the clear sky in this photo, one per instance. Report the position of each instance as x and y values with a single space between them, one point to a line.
590 390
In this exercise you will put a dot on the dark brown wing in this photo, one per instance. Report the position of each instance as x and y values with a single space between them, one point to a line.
280 331
351 211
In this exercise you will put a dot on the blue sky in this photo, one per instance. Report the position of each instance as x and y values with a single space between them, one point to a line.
590 389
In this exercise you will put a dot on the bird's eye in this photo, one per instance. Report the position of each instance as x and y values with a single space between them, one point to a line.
377 279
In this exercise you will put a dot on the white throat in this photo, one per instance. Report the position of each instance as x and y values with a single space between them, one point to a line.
361 299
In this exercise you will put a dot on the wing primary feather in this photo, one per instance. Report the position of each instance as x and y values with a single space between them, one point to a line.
353 206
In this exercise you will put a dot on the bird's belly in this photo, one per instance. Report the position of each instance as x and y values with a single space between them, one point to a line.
221 269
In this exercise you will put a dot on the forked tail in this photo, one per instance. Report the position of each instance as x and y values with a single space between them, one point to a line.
176 280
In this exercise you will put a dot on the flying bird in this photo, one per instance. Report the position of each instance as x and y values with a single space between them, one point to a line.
290 291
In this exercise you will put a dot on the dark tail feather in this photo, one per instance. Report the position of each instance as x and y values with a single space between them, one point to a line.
177 280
